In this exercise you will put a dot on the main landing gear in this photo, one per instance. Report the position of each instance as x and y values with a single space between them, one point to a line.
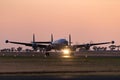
47 54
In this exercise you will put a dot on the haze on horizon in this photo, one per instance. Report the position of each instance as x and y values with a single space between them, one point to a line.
85 20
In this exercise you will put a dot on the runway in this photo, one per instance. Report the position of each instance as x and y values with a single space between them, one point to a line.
34 65
60 78
58 54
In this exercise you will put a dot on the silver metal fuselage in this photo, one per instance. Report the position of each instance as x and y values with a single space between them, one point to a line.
59 44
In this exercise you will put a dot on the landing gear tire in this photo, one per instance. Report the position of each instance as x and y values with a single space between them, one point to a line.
47 54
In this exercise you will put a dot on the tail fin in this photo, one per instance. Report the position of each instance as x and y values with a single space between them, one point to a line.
51 37
33 37
70 39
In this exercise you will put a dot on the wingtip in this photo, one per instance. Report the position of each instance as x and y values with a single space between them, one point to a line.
6 41
113 42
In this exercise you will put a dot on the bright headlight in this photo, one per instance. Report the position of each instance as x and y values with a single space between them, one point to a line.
66 51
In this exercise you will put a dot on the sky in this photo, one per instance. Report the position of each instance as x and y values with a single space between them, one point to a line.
85 20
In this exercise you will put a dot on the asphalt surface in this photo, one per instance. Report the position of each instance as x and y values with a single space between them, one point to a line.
60 78
54 54
81 66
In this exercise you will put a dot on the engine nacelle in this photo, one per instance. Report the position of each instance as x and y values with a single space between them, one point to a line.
49 47
87 47
34 46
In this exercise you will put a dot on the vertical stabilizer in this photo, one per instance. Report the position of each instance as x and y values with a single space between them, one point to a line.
33 37
51 38
70 39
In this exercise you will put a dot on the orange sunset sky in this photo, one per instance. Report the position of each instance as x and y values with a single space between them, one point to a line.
85 20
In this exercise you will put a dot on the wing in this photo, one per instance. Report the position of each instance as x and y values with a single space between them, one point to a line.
112 42
28 44
44 42
21 43
87 46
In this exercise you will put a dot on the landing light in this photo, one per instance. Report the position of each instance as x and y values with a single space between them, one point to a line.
66 51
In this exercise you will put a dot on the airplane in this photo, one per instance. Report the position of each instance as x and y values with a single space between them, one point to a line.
61 44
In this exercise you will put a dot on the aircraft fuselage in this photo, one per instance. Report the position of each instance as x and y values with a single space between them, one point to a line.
59 44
